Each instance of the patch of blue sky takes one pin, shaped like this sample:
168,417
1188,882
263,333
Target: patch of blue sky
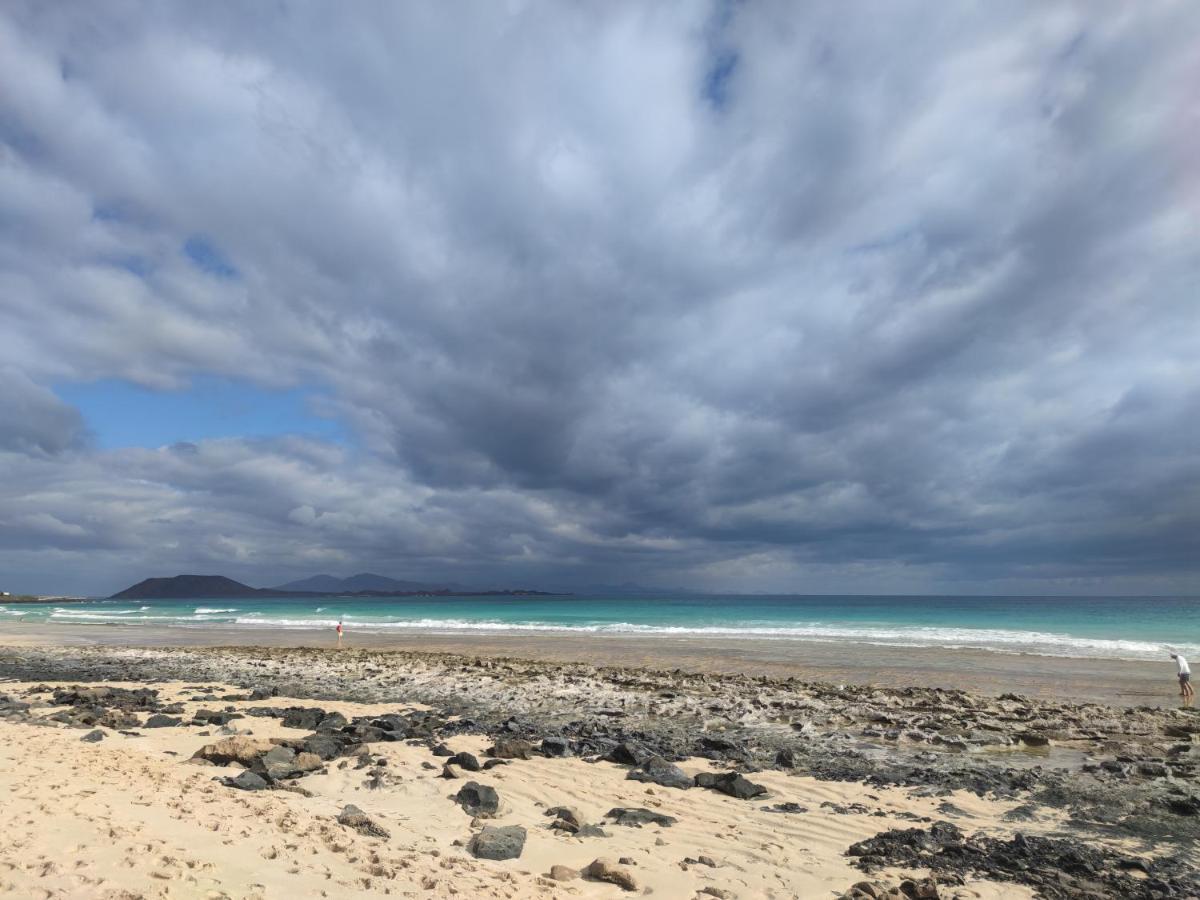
205,255
716,79
121,414
723,59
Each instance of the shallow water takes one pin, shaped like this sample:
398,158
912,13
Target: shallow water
1083,627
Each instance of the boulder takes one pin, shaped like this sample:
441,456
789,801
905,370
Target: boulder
657,770
478,799
326,746
353,817
627,754
119,720
465,761
335,721
93,737
158,720
307,762
277,763
510,748
246,781
731,783
498,843
555,746
606,870
563,873
305,717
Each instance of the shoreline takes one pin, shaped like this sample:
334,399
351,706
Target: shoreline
1110,681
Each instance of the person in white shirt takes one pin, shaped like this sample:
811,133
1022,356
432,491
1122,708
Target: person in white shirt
1186,691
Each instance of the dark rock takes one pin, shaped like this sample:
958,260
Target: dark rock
93,736
789,807
1055,868
786,758
638,817
478,799
158,720
657,770
498,843
567,818
555,746
442,750
492,763
510,748
627,754
213,717
731,783
466,761
303,717
276,764
246,781
326,746
335,721
353,817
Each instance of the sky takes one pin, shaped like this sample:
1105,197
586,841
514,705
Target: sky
815,298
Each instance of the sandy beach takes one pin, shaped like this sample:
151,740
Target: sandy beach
129,814
107,797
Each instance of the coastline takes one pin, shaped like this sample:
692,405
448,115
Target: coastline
1110,681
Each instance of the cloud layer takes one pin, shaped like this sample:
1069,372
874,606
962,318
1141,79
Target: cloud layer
731,296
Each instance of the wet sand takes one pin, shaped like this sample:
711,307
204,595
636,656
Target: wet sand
1116,682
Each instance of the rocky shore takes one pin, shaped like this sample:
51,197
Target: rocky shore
945,793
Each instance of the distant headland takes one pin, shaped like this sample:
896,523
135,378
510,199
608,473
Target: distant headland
197,587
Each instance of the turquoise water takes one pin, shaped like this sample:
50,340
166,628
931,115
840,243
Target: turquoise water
1117,627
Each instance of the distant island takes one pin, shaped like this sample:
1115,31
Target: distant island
6,597
200,587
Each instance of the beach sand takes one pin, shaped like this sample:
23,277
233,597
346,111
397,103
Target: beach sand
131,817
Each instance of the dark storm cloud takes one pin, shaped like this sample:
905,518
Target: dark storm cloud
740,295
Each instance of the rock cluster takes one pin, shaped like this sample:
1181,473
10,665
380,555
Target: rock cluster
1055,868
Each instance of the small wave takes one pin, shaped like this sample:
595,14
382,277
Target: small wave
63,613
209,610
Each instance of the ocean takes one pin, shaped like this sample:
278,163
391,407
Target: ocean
1098,627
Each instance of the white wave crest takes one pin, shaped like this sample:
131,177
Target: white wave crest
209,610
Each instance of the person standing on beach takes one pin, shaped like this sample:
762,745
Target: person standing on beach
339,632
1186,691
